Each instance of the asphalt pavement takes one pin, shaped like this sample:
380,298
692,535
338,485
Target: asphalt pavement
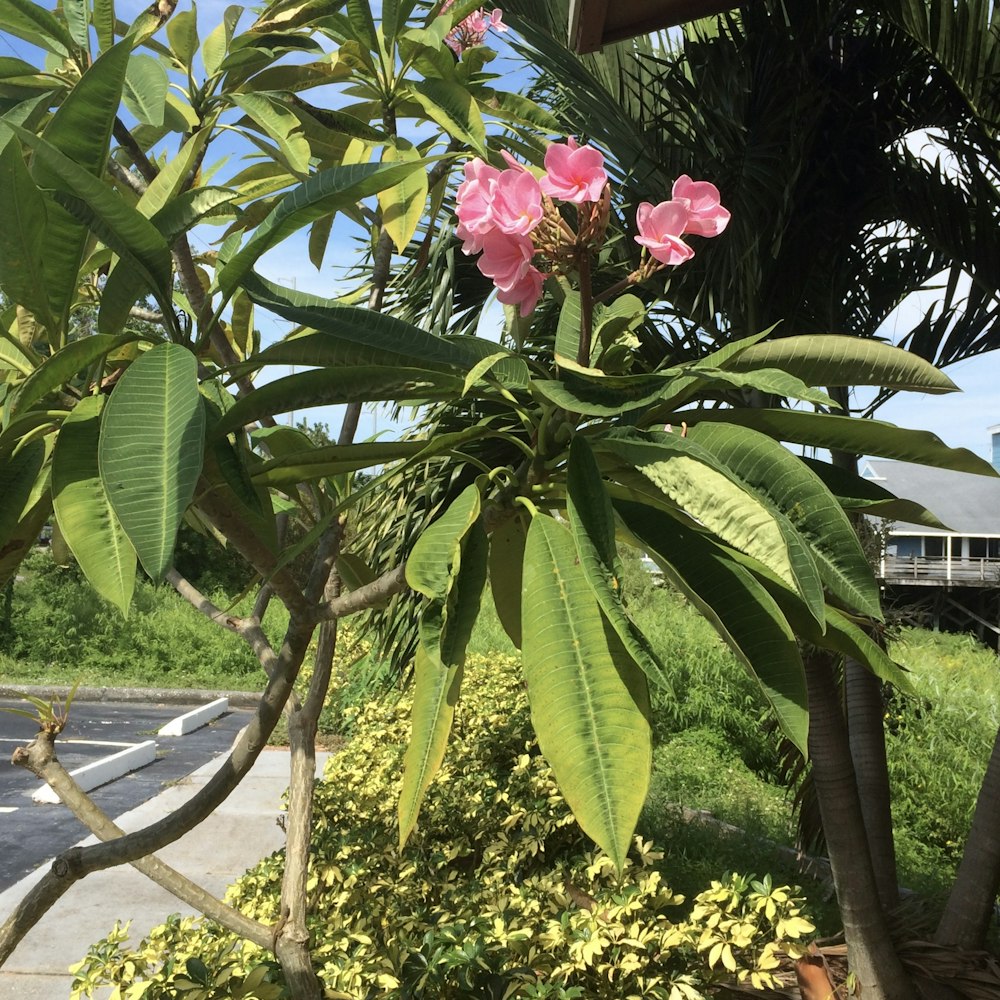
31,834
237,835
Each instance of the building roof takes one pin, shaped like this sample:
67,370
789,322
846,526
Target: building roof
594,23
968,504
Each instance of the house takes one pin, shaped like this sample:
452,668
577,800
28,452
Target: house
966,550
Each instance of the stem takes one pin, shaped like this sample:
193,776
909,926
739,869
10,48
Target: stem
586,310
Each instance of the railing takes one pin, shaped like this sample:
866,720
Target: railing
942,568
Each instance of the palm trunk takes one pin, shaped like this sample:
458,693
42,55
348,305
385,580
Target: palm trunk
966,917
871,953
867,741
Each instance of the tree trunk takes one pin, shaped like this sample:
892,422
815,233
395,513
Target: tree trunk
867,741
871,953
967,916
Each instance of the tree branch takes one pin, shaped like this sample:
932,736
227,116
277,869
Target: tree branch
39,757
142,162
365,597
132,181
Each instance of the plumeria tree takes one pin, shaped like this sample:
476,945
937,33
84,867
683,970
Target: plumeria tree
544,452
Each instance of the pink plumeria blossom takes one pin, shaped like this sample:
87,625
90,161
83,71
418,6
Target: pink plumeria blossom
660,230
706,216
525,293
472,31
517,202
475,203
505,258
573,173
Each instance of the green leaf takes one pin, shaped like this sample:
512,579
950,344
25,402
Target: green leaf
437,551
80,129
403,204
313,463
35,24
328,386
506,566
826,359
324,193
77,15
692,479
215,46
182,33
63,366
12,356
349,336
587,696
281,125
856,493
145,91
783,480
740,609
86,518
104,23
862,437
112,219
22,207
592,521
568,328
170,180
452,107
445,629
152,442
18,478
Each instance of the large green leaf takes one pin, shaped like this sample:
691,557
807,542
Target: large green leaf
445,629
587,696
324,192
35,24
833,360
80,129
699,485
145,91
22,207
592,521
348,384
863,437
345,335
506,567
782,479
119,226
855,493
403,204
314,463
18,477
59,369
87,521
452,107
432,561
741,610
152,442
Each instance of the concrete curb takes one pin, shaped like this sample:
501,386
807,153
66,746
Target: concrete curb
195,719
164,696
100,772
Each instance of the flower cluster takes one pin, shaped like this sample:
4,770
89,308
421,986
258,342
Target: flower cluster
472,30
510,217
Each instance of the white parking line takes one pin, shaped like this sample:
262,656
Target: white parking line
8,809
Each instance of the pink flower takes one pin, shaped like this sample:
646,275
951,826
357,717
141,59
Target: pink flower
660,230
525,293
573,173
472,30
506,258
517,202
474,203
706,216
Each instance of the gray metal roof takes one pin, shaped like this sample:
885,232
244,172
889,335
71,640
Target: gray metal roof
968,504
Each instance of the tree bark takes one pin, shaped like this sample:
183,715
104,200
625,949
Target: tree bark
867,741
871,953
967,915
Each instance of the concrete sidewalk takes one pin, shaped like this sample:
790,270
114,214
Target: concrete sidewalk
240,833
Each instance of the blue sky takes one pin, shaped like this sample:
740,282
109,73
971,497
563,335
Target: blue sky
960,419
